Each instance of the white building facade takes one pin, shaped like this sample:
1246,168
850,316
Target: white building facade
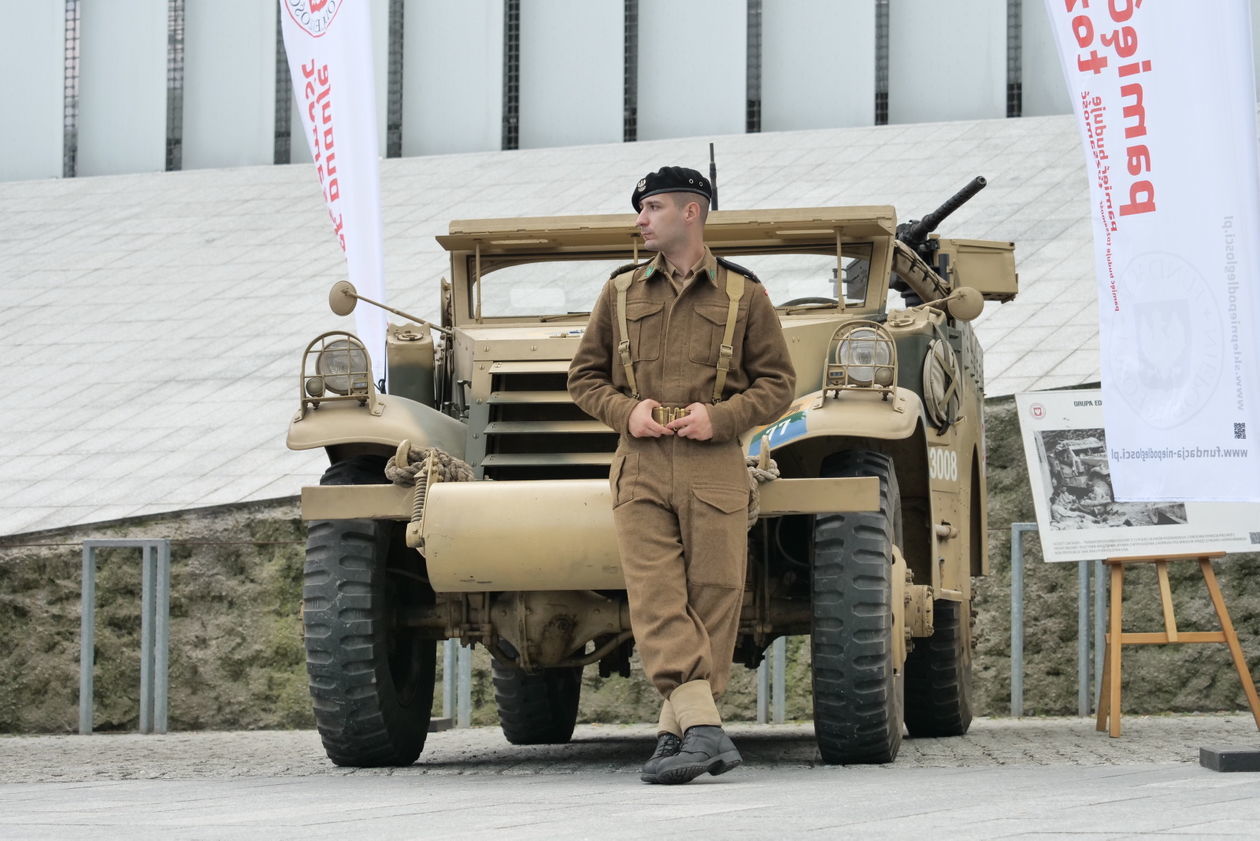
125,86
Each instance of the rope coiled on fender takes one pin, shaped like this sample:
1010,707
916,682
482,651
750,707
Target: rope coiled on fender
405,467
758,475
447,468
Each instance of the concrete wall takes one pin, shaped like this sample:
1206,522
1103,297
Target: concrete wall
452,76
32,45
572,72
229,83
946,61
122,87
1044,88
817,64
693,79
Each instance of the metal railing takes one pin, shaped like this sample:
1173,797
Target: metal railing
155,597
1085,570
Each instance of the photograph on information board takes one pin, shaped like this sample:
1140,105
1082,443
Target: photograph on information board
1078,515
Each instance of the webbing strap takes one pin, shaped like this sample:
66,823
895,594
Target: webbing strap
622,283
734,291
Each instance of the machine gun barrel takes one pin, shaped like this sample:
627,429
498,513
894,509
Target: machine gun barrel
915,233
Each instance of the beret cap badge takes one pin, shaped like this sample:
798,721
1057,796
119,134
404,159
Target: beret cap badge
670,179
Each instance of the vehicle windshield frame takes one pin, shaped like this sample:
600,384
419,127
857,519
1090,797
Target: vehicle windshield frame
468,266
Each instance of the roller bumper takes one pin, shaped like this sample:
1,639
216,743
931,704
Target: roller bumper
541,535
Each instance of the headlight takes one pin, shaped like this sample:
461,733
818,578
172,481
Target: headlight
343,365
862,355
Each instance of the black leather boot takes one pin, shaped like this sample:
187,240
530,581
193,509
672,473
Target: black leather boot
705,749
667,745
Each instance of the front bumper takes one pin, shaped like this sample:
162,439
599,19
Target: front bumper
541,535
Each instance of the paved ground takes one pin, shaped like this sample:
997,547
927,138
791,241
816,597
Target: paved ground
1042,778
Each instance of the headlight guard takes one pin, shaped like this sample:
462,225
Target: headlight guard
336,367
861,355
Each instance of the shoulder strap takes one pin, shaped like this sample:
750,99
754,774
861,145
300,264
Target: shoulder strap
736,267
621,283
734,291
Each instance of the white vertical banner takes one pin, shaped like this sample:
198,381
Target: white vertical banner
1164,94
329,45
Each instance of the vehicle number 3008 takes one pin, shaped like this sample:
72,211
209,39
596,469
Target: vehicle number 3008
943,464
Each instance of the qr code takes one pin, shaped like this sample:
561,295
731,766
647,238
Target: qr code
1240,431
1255,537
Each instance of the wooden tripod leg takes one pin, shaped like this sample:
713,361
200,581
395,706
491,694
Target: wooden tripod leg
1103,695
1113,648
1231,638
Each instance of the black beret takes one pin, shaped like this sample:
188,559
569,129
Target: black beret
671,179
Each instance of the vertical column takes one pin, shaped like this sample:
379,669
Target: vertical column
778,687
450,655
394,80
753,68
571,89
465,686
87,638
161,636
122,86
948,61
148,586
630,72
818,64
452,77
229,76
763,689
692,75
1042,86
32,50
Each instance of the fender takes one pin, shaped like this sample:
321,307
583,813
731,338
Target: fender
858,414
398,418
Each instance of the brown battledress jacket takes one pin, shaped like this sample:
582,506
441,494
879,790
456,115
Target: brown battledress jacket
680,506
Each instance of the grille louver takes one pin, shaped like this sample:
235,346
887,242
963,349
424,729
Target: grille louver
532,430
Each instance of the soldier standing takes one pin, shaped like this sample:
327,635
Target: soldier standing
681,355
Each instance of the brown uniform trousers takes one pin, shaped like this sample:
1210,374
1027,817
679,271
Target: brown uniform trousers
679,505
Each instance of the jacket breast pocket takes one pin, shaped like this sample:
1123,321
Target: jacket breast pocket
645,320
708,326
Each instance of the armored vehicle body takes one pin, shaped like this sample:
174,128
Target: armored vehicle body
494,522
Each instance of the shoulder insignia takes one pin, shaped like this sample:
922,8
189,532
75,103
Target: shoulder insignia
738,269
628,267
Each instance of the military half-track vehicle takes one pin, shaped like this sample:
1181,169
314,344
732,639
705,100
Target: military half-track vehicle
496,527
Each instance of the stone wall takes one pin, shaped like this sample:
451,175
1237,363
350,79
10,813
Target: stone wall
236,652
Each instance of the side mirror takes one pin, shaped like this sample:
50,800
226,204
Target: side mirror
964,303
342,298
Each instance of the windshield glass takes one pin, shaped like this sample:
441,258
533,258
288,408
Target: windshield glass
571,286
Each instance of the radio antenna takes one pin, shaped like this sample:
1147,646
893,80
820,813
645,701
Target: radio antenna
713,178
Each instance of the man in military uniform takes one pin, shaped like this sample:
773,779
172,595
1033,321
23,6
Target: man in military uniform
681,355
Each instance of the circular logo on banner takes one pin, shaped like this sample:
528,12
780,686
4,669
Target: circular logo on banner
314,16
1168,342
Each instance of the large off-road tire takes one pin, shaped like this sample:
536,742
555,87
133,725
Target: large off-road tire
371,681
858,688
938,675
539,708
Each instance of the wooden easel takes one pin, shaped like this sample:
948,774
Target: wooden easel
1109,691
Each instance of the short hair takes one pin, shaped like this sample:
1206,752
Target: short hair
682,199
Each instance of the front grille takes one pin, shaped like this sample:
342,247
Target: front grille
534,431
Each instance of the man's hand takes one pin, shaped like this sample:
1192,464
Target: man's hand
641,423
697,426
